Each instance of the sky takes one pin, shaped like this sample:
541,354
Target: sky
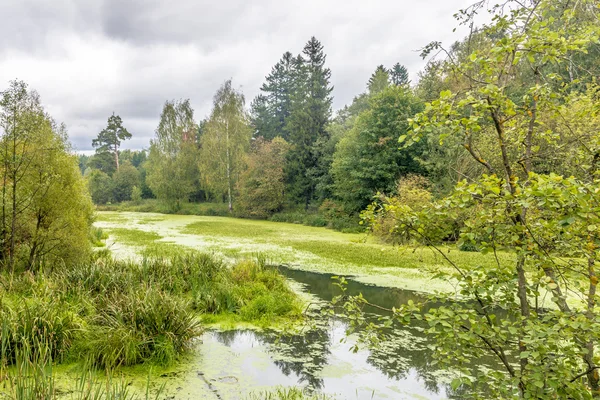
90,58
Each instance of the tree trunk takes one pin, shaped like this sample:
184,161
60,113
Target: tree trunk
117,157
228,155
14,203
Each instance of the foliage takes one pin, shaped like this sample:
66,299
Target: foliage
382,215
172,170
261,185
101,187
271,110
109,140
309,115
508,112
399,75
367,160
136,195
46,211
224,142
125,180
379,81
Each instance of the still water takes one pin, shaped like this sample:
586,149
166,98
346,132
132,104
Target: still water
232,364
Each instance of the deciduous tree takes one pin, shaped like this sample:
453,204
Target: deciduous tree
224,142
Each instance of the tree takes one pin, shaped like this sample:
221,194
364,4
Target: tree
172,170
262,184
125,179
21,119
110,138
510,111
224,142
367,159
261,118
101,187
379,80
399,75
310,113
271,110
39,179
61,213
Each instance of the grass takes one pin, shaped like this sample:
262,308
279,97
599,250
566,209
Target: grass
109,313
292,393
96,236
33,378
303,247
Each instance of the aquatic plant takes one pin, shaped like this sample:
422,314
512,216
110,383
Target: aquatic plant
142,325
291,393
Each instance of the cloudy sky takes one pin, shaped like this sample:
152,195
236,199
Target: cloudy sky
88,58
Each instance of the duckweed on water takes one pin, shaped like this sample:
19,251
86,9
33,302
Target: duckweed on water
302,247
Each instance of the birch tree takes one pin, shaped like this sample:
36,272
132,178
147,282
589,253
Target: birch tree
224,142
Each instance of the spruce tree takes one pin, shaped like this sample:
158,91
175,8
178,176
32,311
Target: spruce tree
271,109
399,75
306,126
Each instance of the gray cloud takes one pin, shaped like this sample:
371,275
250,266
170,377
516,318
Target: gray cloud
90,58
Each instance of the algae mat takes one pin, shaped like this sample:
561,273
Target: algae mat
297,246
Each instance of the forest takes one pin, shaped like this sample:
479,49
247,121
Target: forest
481,178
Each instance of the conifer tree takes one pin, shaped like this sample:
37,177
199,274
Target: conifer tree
110,138
271,109
379,80
310,113
399,75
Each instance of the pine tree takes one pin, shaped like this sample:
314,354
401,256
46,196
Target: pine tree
306,127
109,139
399,75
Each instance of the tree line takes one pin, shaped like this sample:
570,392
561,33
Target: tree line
285,152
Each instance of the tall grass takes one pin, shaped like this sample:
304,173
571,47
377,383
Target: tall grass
292,393
96,236
107,313
145,325
33,378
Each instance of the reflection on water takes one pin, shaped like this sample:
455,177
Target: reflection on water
321,359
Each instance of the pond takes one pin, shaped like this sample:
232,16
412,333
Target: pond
231,364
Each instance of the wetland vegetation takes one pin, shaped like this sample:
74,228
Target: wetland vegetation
461,259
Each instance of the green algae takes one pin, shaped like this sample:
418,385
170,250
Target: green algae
298,246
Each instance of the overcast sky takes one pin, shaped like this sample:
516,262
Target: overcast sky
88,58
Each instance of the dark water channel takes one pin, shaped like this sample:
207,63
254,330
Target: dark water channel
319,359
